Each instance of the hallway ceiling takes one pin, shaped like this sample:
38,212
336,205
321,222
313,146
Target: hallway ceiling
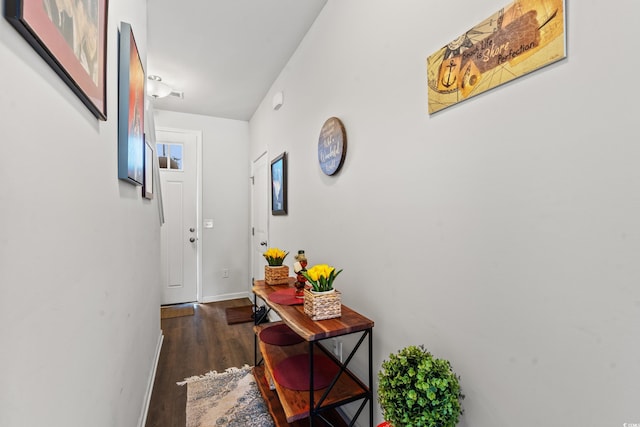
223,54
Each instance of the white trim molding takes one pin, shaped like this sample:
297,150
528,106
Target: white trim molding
147,400
225,297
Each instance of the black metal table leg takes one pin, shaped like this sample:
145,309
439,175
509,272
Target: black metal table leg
312,409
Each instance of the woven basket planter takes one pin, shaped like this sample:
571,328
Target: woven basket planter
321,306
276,275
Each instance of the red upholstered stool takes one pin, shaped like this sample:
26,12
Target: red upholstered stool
280,335
293,372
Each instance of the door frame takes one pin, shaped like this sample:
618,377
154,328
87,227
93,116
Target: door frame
264,154
198,135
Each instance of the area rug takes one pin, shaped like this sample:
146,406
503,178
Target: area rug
230,399
180,310
239,314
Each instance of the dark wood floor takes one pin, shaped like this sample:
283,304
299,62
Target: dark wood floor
194,345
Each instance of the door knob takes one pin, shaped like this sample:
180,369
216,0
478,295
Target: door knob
263,243
192,229
193,239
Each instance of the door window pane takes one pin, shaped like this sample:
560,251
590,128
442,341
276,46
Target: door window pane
170,156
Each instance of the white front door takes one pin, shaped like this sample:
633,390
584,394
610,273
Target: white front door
259,214
178,157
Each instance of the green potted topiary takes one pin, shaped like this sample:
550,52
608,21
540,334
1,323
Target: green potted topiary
418,390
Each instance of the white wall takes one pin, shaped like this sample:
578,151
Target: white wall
79,250
225,199
502,233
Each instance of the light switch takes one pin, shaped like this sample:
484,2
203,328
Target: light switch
208,223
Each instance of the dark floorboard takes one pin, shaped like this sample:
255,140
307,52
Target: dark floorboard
194,345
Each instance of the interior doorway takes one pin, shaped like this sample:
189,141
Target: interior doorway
259,213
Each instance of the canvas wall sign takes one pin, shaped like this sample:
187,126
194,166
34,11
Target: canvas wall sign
521,37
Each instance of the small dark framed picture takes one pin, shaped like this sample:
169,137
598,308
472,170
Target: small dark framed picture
149,166
130,109
279,185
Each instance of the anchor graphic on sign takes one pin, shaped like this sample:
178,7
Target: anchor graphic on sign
449,82
448,74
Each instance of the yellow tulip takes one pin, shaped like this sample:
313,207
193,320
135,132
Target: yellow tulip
275,256
321,276
313,274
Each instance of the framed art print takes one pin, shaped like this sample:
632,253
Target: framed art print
71,37
149,166
130,109
279,185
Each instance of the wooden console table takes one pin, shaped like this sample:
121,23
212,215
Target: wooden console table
345,387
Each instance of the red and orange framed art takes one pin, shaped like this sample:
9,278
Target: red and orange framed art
130,109
71,36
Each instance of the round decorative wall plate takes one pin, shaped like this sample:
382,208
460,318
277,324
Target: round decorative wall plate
332,146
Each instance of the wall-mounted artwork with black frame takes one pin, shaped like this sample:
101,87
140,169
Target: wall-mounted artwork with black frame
72,40
279,185
130,109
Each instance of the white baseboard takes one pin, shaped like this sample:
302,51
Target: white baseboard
273,316
225,297
152,377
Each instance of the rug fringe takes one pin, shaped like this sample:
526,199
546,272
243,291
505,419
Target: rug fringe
212,374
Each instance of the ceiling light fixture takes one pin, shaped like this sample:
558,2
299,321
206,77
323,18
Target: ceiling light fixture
156,88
